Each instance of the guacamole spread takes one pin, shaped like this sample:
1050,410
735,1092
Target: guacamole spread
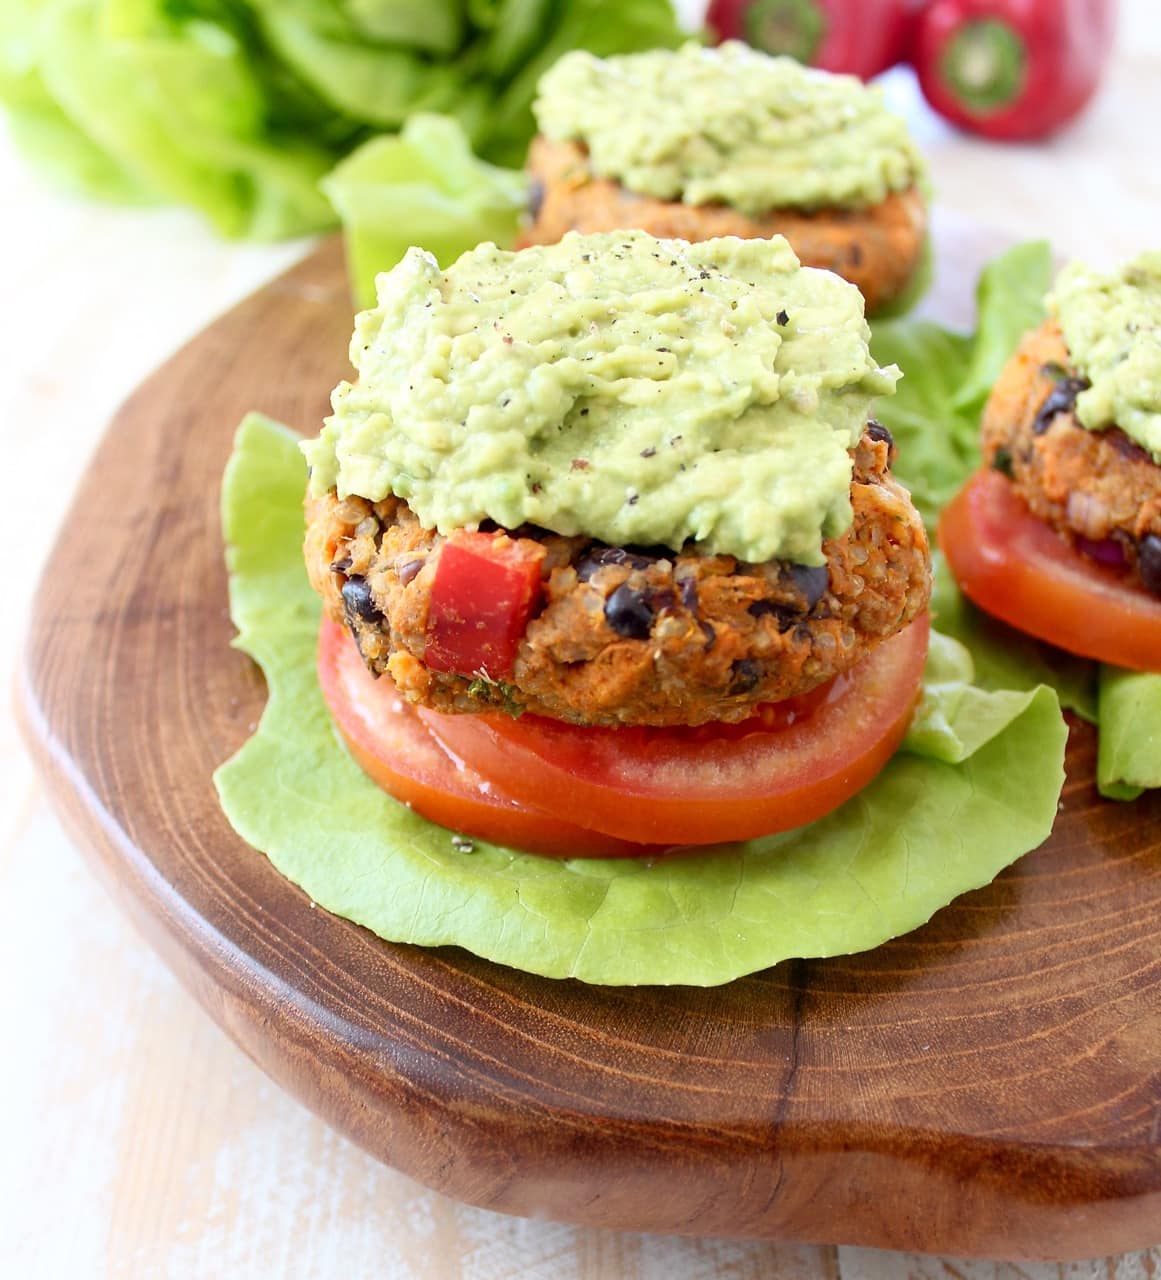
729,126
1112,324
633,390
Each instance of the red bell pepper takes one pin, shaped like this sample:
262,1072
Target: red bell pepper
485,588
1012,69
857,37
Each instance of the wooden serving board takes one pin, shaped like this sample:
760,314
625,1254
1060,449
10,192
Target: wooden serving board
989,1085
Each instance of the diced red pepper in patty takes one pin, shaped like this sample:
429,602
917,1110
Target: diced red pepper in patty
485,590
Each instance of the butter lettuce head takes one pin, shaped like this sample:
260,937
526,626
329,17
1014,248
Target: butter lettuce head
975,788
237,108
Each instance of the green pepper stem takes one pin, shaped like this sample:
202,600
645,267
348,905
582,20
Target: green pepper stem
793,27
985,64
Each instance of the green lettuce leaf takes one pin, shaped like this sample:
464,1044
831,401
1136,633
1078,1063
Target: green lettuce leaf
934,413
69,159
955,717
100,91
67,156
420,187
437,28
178,112
378,85
922,833
937,446
1009,302
512,26
1129,752
1005,658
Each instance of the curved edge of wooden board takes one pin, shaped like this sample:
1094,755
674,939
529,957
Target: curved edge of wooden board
432,1118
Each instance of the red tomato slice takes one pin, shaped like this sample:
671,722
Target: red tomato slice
708,785
481,599
391,745
1017,568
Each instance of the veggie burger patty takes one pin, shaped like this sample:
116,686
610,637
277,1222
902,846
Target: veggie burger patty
636,635
876,248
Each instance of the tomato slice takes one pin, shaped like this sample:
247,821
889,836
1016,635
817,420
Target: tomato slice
707,785
392,746
483,594
1017,568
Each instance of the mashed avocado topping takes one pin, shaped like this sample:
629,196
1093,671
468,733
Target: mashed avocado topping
634,390
729,126
1112,324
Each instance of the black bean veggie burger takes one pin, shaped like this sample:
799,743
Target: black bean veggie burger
610,520
1060,534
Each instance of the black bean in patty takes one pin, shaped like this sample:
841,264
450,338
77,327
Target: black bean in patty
785,614
629,613
1002,461
535,198
357,600
408,570
812,580
1127,447
1061,399
745,674
601,556
1149,564
687,585
876,431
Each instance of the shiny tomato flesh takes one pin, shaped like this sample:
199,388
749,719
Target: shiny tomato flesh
712,784
1017,568
483,594
392,746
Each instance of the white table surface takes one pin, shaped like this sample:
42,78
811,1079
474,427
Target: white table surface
136,1139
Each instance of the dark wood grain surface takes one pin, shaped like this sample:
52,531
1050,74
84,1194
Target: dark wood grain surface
989,1085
